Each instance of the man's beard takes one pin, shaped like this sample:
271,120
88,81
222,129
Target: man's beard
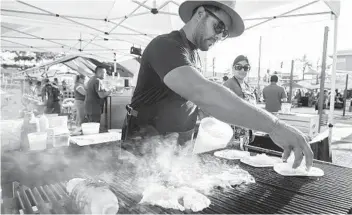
201,41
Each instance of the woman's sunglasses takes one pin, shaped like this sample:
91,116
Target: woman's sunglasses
244,67
220,27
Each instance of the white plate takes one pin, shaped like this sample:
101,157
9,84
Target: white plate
286,169
231,154
256,162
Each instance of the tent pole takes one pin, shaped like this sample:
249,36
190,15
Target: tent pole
287,16
333,79
345,97
322,78
291,81
114,66
260,56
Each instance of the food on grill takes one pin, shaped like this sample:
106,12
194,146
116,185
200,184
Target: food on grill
92,197
261,160
287,170
224,179
170,197
231,154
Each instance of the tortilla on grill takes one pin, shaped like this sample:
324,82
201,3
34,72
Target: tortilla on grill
168,197
231,154
261,160
286,169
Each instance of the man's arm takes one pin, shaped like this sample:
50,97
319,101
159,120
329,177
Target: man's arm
104,94
81,90
217,100
99,88
225,105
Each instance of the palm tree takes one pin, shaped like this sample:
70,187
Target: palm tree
305,64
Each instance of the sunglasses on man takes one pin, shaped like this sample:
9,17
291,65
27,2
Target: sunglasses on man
220,27
246,68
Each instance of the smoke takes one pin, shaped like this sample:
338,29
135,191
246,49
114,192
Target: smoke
35,168
160,160
172,165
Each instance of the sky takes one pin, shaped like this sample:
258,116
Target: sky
284,41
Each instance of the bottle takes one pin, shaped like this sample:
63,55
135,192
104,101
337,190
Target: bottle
34,123
92,197
43,123
30,125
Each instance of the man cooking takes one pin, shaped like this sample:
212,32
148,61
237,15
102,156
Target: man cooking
170,87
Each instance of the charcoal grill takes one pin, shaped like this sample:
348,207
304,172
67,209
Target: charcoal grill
272,193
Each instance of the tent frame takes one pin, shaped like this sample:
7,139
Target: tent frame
154,10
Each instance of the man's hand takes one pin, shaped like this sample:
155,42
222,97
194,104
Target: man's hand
291,139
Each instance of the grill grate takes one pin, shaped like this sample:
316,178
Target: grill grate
271,193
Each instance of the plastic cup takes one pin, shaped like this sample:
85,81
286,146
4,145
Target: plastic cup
286,108
37,140
212,134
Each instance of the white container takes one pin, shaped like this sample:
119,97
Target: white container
57,121
117,131
286,108
90,128
37,140
43,123
59,136
212,134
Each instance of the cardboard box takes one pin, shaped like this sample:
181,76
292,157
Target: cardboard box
307,123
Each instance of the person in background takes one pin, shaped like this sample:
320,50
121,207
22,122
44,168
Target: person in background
37,89
298,95
325,101
51,96
274,95
95,95
80,94
64,85
237,84
225,78
29,87
56,82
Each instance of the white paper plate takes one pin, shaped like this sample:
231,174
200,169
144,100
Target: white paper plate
286,169
256,162
231,154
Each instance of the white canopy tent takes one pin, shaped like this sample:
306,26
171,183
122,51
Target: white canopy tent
106,29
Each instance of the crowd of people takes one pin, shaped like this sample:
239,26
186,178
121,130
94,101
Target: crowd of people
89,95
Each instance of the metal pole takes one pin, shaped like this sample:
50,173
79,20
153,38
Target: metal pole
259,59
333,79
114,66
213,66
291,80
322,80
288,12
345,96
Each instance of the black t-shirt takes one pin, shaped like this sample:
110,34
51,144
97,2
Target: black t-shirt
158,105
93,104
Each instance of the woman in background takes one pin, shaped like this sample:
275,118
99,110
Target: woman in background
80,94
240,70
